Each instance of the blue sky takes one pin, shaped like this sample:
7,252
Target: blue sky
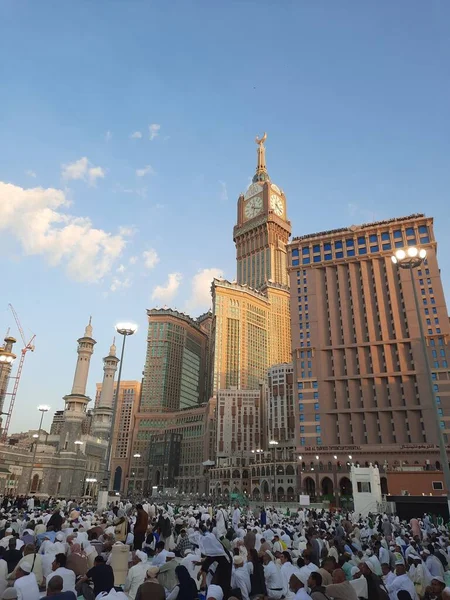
354,97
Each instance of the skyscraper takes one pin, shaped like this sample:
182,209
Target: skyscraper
251,327
359,370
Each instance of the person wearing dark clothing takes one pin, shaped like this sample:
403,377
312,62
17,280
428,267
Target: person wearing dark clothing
101,575
56,521
222,575
140,527
187,588
257,579
12,556
263,517
315,550
316,589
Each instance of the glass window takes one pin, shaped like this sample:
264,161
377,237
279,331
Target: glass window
305,250
435,387
436,364
374,248
295,252
430,290
309,373
428,321
316,406
362,250
316,395
399,244
300,385
373,238
315,385
434,377
317,417
438,330
430,331
411,241
306,260
300,396
387,246
318,441
433,300
302,441
434,353
385,236
302,417
436,321
440,341
427,311
309,364
425,301
438,399
423,229
440,412
420,281
316,248
300,407
442,425
432,343
328,256
397,234
327,247
339,255
442,352
295,262
317,258
350,253
425,239
338,245
349,243
302,427
317,428
361,241
422,291
409,231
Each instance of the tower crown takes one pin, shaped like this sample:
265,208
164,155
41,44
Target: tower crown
88,330
261,174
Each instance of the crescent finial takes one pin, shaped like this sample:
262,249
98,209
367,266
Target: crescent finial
262,140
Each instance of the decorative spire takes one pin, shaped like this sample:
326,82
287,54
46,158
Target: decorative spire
261,171
88,330
112,350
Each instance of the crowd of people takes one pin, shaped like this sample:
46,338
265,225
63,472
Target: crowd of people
63,550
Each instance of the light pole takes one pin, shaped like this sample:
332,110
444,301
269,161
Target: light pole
43,408
137,455
274,444
411,259
124,329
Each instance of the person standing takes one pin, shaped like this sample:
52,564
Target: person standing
140,527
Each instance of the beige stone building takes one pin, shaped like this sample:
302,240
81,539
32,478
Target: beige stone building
359,371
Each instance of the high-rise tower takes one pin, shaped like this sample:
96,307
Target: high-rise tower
77,401
103,411
6,361
251,327
262,230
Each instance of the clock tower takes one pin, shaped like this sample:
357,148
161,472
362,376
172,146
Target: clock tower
262,230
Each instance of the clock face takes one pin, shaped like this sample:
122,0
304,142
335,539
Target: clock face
253,207
276,204
255,188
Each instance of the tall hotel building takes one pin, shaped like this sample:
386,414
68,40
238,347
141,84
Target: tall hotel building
359,371
251,326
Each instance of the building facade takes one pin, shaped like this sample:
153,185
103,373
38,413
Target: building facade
251,326
359,371
280,404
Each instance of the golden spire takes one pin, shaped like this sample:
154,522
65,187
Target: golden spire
261,171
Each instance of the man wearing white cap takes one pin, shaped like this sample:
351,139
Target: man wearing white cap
26,584
136,574
298,583
214,592
240,578
401,582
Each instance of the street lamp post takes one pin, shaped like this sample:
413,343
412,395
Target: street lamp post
274,444
137,455
411,259
43,408
124,329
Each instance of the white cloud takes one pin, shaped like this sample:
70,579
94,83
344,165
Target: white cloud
133,260
154,130
36,218
119,284
136,135
148,170
151,258
201,288
31,173
108,136
127,230
82,169
223,191
120,269
166,292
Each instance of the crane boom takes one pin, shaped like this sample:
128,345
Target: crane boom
26,347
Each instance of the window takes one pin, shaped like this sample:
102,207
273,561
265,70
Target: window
435,387
386,246
430,290
427,311
316,406
300,385
295,262
339,255
399,244
315,385
295,252
374,249
385,236
373,238
441,341
428,321
438,399
317,258
302,441
397,234
328,256
436,321
433,300
425,239
425,301
350,253
300,407
319,441
302,429
316,417
305,251
410,231
327,247
349,243
442,352
436,364
440,412
306,260
438,330
444,364
338,245
302,417
300,396
434,353
423,229
316,395
364,487
362,250
438,485
318,429
316,248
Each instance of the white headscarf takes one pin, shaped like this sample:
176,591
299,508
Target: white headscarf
210,546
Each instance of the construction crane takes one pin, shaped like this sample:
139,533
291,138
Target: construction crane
26,346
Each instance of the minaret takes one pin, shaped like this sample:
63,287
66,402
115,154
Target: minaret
101,426
77,401
7,357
